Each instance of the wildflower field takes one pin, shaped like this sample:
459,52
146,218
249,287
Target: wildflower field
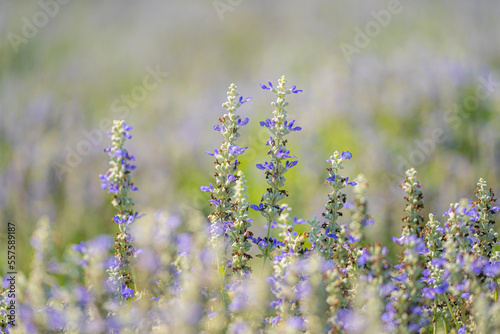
160,174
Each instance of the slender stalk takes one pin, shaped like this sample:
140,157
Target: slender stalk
266,253
496,291
278,127
444,324
451,312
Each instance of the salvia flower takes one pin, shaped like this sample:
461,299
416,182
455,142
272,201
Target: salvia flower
118,181
175,275
227,208
278,127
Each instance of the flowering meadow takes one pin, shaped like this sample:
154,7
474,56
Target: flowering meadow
161,273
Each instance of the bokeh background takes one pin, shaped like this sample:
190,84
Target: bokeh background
67,67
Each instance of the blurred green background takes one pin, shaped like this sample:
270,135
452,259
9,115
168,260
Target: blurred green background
68,67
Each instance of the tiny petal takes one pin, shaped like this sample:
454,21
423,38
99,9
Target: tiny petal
212,154
255,207
206,189
118,153
346,155
242,101
243,122
331,235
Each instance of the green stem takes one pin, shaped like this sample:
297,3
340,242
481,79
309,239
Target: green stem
434,324
263,263
444,324
451,312
272,204
496,291
266,253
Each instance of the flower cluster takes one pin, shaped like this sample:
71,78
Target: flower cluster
117,180
279,127
326,276
360,217
229,219
324,236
